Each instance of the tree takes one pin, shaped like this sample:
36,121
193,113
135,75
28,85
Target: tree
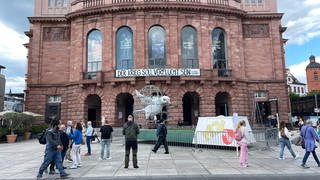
294,96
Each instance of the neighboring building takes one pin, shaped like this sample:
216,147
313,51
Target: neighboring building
2,88
294,85
14,102
313,71
215,57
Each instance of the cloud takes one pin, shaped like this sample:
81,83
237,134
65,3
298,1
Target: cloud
11,44
299,71
302,19
16,84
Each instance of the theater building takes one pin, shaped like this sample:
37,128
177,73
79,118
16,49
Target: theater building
211,57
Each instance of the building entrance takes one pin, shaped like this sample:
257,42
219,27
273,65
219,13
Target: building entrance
222,104
124,106
190,108
93,109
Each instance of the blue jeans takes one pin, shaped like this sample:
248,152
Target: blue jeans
88,141
105,143
285,142
51,155
306,155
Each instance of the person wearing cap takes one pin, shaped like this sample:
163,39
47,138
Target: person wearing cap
310,136
162,137
131,131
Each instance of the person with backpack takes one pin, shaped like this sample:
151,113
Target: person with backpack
106,138
89,135
284,140
52,151
130,131
242,140
162,137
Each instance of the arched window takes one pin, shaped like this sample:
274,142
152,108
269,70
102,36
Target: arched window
94,53
157,47
315,74
58,3
124,48
219,52
189,47
50,2
64,3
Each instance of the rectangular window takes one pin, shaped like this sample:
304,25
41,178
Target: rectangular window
261,94
64,3
295,89
50,3
58,3
54,99
316,77
302,91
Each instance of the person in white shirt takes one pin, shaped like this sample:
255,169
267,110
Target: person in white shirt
284,140
89,134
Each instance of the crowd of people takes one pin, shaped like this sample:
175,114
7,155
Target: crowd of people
64,143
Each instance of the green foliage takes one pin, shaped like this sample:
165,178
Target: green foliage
36,129
13,121
20,131
4,131
18,122
294,96
313,92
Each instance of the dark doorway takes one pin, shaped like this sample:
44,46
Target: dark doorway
190,108
222,105
93,109
124,106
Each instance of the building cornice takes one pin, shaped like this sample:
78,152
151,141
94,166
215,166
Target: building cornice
155,6
47,19
263,16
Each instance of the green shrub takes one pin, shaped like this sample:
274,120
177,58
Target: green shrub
4,131
20,131
36,129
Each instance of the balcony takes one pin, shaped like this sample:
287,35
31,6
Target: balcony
96,3
92,78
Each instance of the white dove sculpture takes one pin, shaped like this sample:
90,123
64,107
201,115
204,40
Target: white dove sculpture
153,104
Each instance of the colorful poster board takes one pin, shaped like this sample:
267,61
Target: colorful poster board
220,130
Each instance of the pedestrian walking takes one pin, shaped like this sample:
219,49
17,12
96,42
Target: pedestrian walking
68,132
284,140
52,151
310,137
162,137
77,141
131,131
89,135
106,139
243,143
65,143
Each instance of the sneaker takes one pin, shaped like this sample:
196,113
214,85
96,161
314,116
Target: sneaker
281,158
136,166
39,177
126,167
304,166
64,176
297,156
100,158
79,165
166,152
73,167
109,158
87,154
68,160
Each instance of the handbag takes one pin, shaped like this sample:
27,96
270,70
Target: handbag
283,134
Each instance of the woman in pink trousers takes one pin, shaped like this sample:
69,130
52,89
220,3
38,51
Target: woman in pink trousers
243,143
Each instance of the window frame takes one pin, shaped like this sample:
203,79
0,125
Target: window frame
130,62
186,60
97,63
157,62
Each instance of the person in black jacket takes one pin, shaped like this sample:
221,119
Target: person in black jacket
162,137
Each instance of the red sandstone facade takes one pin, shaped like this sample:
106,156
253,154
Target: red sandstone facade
57,59
313,72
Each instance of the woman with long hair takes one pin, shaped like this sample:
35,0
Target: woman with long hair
77,141
284,140
243,143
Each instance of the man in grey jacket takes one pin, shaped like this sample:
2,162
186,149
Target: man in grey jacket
53,150
131,131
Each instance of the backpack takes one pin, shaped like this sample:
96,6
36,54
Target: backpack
237,135
42,137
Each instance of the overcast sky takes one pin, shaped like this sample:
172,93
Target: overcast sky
302,17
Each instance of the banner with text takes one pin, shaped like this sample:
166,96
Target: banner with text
157,72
